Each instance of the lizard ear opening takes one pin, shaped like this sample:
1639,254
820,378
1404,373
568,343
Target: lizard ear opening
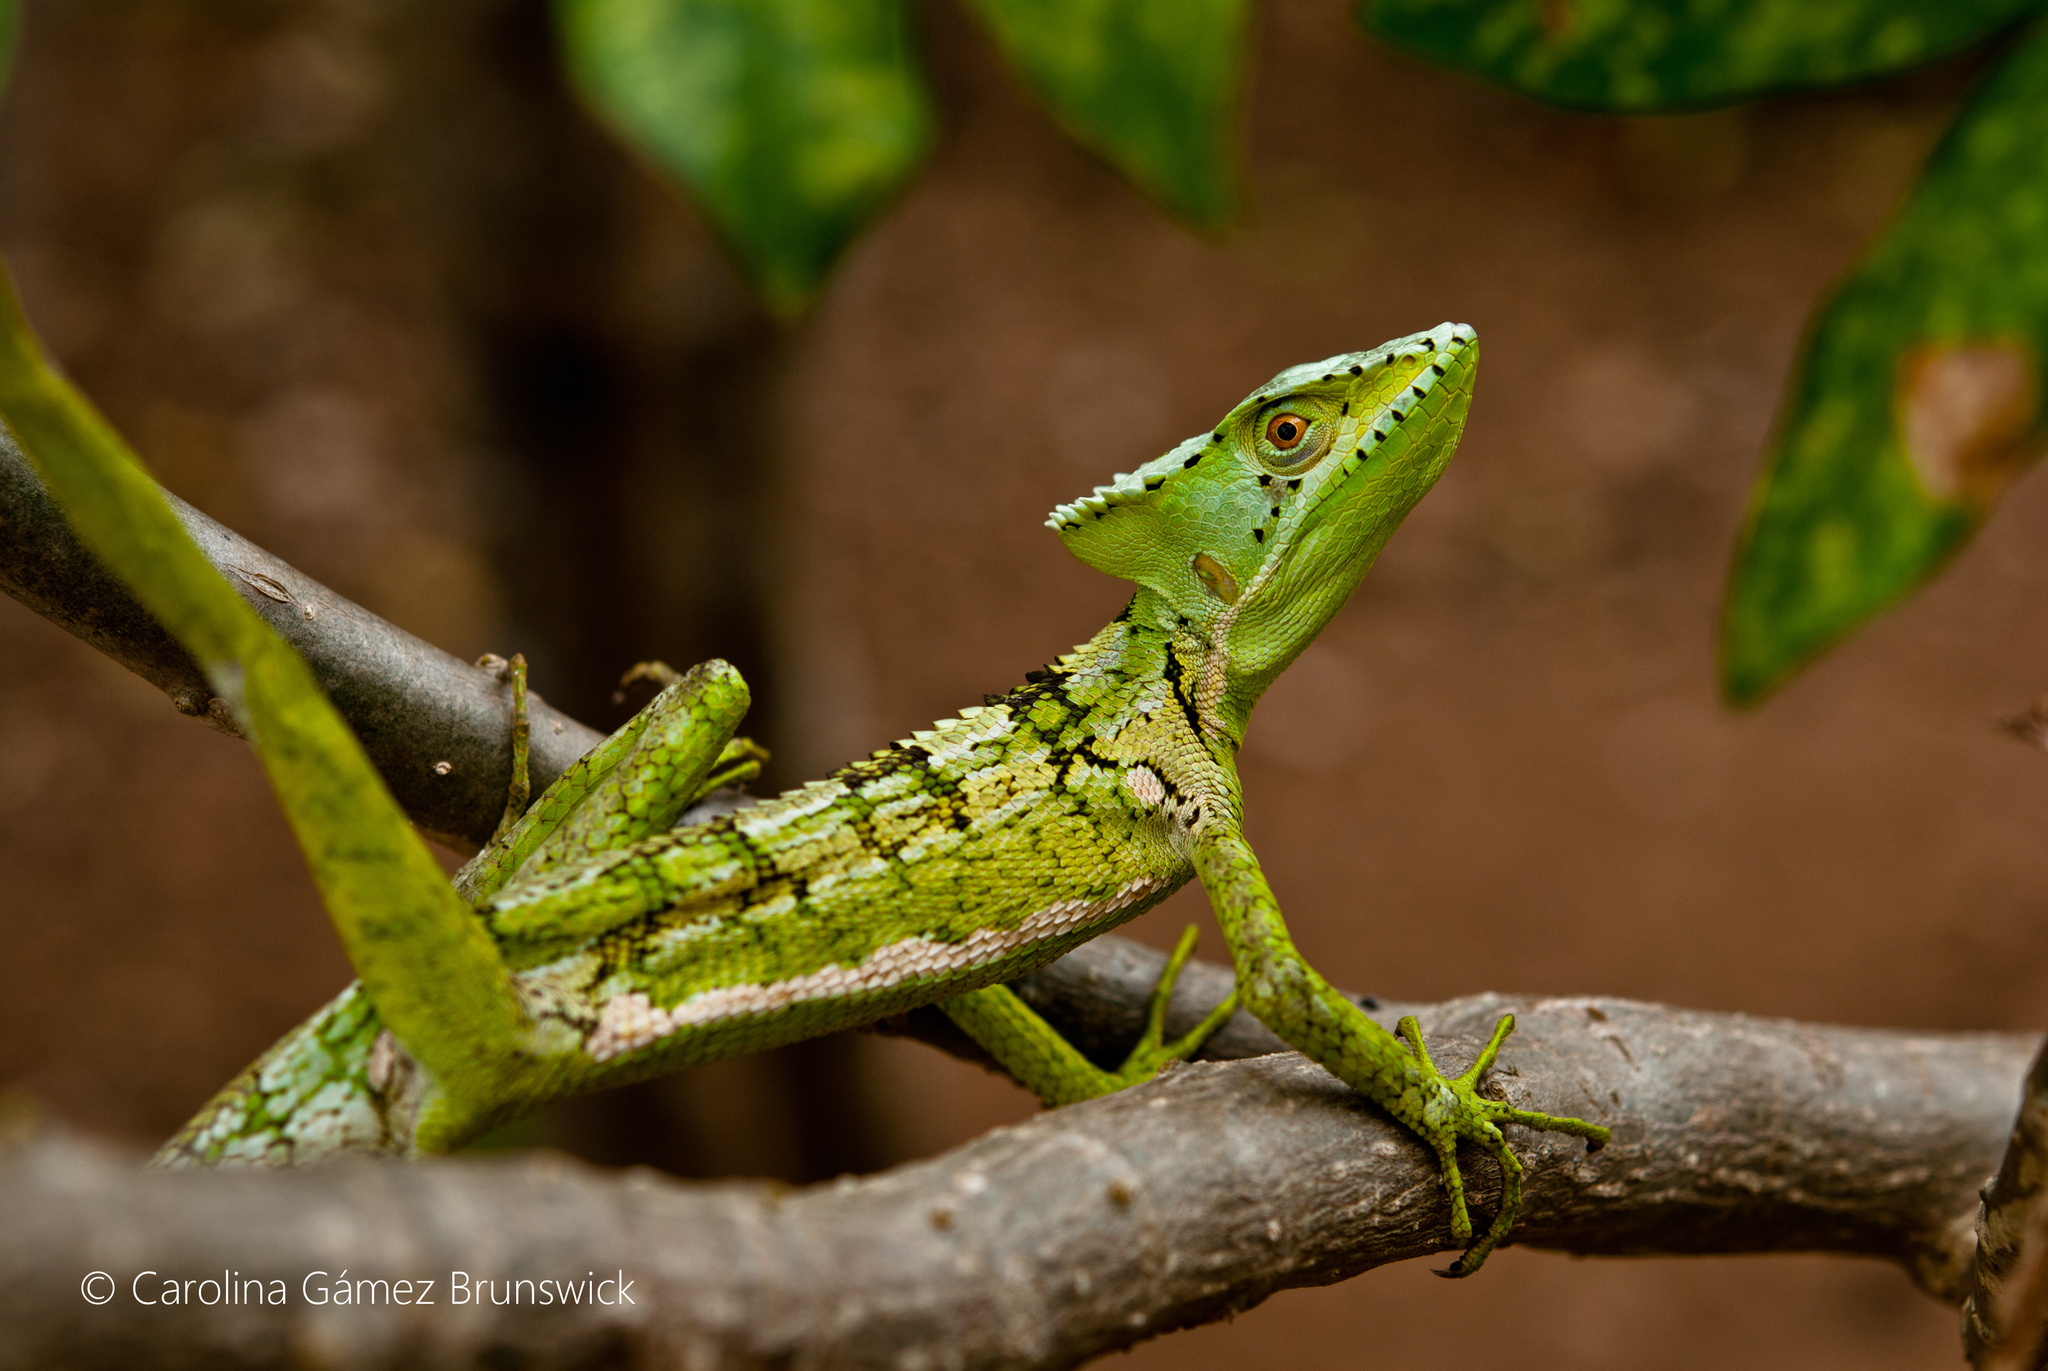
1215,577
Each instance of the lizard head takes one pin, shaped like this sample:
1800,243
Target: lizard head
1256,534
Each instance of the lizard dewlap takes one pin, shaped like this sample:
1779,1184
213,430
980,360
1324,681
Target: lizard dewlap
964,855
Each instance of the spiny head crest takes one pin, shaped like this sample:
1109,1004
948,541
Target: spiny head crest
1263,527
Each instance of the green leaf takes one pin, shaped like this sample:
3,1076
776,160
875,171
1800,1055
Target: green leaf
792,122
1918,396
1151,86
1646,55
427,963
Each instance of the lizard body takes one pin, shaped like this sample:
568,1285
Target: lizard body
963,856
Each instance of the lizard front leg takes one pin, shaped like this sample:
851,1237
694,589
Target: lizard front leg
1047,1065
1286,994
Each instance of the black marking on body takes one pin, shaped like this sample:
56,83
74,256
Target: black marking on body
1083,753
1178,685
1042,710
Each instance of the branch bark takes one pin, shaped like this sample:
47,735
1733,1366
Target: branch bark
1083,1230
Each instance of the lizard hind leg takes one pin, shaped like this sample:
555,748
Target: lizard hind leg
1050,1067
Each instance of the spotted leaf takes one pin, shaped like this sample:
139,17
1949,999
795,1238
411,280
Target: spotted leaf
1917,399
1645,55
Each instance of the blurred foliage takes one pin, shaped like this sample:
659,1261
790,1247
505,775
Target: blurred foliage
386,893
1919,393
1918,397
792,122
1150,85
1640,56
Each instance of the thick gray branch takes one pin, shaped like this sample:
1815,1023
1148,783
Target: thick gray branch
1080,1231
439,729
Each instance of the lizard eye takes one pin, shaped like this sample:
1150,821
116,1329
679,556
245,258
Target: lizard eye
1284,431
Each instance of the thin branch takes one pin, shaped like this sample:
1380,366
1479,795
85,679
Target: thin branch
1080,1231
438,729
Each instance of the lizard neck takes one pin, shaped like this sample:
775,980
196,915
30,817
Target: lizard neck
1194,659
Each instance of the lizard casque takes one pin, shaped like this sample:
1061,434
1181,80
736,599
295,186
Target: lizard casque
961,857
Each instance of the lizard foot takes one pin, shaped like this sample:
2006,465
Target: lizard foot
519,794
1457,1110
1151,1053
661,673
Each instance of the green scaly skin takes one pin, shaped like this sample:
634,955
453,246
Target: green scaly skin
963,856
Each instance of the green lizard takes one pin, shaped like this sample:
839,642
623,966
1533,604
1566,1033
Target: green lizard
962,857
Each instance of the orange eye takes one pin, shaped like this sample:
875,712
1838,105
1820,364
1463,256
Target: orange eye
1285,431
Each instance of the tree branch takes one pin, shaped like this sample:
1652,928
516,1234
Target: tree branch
438,729
1077,1232
2007,1309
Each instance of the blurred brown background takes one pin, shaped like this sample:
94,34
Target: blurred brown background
361,280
